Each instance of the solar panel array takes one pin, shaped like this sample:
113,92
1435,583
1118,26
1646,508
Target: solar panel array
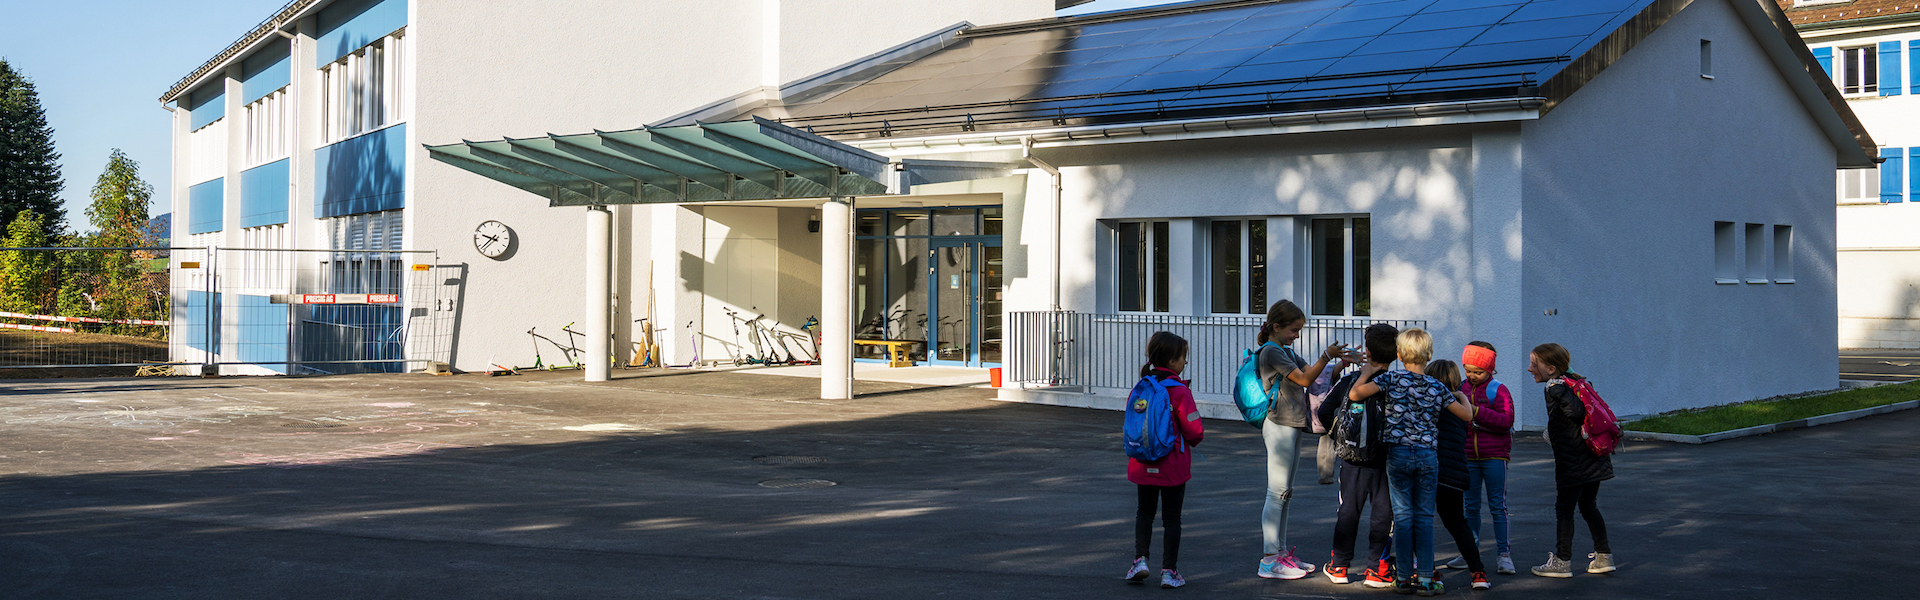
1266,55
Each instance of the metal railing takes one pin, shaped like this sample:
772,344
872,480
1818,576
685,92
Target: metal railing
1084,351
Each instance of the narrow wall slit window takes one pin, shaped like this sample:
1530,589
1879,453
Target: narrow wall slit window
1706,59
1783,254
1756,271
1340,255
1142,261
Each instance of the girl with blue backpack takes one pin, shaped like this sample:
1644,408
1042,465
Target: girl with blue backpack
1160,467
1287,376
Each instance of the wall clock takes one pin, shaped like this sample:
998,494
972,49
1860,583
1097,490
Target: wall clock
492,239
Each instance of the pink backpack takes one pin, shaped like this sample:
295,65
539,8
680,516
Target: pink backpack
1601,429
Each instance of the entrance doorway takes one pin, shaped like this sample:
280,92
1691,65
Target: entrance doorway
932,277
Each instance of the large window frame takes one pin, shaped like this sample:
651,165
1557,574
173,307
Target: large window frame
1339,265
1857,70
1238,265
269,128
1858,186
365,90
1143,277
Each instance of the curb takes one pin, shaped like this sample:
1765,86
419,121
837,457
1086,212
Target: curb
1771,428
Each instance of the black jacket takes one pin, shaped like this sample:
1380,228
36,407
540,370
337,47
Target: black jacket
1453,450
1337,398
1573,462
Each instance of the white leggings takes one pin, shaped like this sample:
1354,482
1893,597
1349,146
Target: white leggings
1283,452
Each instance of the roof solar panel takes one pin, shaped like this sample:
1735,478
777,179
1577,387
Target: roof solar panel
1117,68
1544,29
1279,21
1274,71
1548,9
1181,32
1392,8
1396,61
1311,50
1209,60
1152,49
1301,5
1483,53
1345,29
1236,41
1421,40
1175,79
1428,21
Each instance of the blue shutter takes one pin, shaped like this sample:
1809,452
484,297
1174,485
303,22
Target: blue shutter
1890,69
1825,57
1913,178
1890,175
1913,66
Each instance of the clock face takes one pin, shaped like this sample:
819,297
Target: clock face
492,239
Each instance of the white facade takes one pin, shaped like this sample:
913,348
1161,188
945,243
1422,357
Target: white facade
1879,254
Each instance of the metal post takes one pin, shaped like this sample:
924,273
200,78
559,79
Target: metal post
599,295
836,299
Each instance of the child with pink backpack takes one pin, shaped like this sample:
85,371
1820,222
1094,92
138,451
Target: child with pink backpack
1581,459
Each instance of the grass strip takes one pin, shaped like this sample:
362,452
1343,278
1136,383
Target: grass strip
1715,419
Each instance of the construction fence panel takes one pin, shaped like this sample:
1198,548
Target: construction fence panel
107,308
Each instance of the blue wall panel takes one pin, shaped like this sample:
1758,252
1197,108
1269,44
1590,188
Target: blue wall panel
263,194
207,105
193,319
261,331
206,206
348,25
362,174
266,71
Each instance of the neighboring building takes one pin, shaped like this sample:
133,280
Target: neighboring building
1508,170
1872,49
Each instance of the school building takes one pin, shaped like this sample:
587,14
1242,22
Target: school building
1646,182
1871,48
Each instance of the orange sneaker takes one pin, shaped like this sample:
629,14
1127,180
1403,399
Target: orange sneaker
1480,581
1337,574
1381,577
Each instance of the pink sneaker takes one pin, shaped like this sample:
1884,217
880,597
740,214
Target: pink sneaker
1284,566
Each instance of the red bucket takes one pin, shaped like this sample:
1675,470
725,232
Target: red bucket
993,376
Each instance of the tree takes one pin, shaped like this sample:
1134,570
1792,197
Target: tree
120,202
29,168
26,276
118,282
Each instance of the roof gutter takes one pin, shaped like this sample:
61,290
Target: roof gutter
1415,115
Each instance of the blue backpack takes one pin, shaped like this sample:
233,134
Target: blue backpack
1150,431
1254,399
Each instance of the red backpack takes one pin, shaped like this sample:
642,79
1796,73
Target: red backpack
1600,429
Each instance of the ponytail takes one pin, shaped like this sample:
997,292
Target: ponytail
1162,347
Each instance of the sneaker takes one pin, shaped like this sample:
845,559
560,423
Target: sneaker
1405,586
1505,566
1381,577
1337,574
1480,581
1602,562
1555,567
1170,579
1458,562
1284,566
1429,587
1138,573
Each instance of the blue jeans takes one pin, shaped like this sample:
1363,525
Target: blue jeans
1491,474
1413,472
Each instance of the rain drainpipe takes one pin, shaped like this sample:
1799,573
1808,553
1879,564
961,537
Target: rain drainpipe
1026,151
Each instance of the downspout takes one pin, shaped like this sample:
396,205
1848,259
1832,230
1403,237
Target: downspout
1026,151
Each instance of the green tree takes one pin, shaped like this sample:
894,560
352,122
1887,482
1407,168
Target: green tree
118,284
29,168
26,276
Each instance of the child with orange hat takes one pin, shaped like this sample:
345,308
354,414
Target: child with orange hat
1489,446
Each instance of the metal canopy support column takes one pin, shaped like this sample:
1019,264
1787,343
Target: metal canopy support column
836,299
598,357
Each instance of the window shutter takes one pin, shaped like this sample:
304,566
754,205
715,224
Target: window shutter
1890,70
1913,67
1913,177
1825,57
1890,175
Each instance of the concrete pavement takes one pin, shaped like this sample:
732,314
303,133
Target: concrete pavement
703,485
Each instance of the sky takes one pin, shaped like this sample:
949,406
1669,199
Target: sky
100,67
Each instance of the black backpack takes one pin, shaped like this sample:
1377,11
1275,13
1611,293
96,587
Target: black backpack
1354,426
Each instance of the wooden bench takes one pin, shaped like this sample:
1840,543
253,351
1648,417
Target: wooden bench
896,350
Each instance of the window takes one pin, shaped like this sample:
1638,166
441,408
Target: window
1783,254
1859,70
1724,269
1143,260
1341,266
364,272
1859,186
1238,262
1756,253
269,128
1706,59
363,90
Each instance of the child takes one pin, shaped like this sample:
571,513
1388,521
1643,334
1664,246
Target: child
1489,446
1363,483
1577,471
1282,368
1450,498
1163,482
1413,401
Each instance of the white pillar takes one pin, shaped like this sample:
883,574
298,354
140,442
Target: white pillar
1499,312
599,294
836,299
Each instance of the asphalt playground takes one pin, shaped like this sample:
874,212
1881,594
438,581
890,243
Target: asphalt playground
735,485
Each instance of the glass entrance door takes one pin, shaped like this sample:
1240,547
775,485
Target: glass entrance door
964,325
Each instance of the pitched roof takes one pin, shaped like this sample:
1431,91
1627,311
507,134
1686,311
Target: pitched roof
1820,14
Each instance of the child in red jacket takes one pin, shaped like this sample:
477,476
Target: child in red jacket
1163,483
